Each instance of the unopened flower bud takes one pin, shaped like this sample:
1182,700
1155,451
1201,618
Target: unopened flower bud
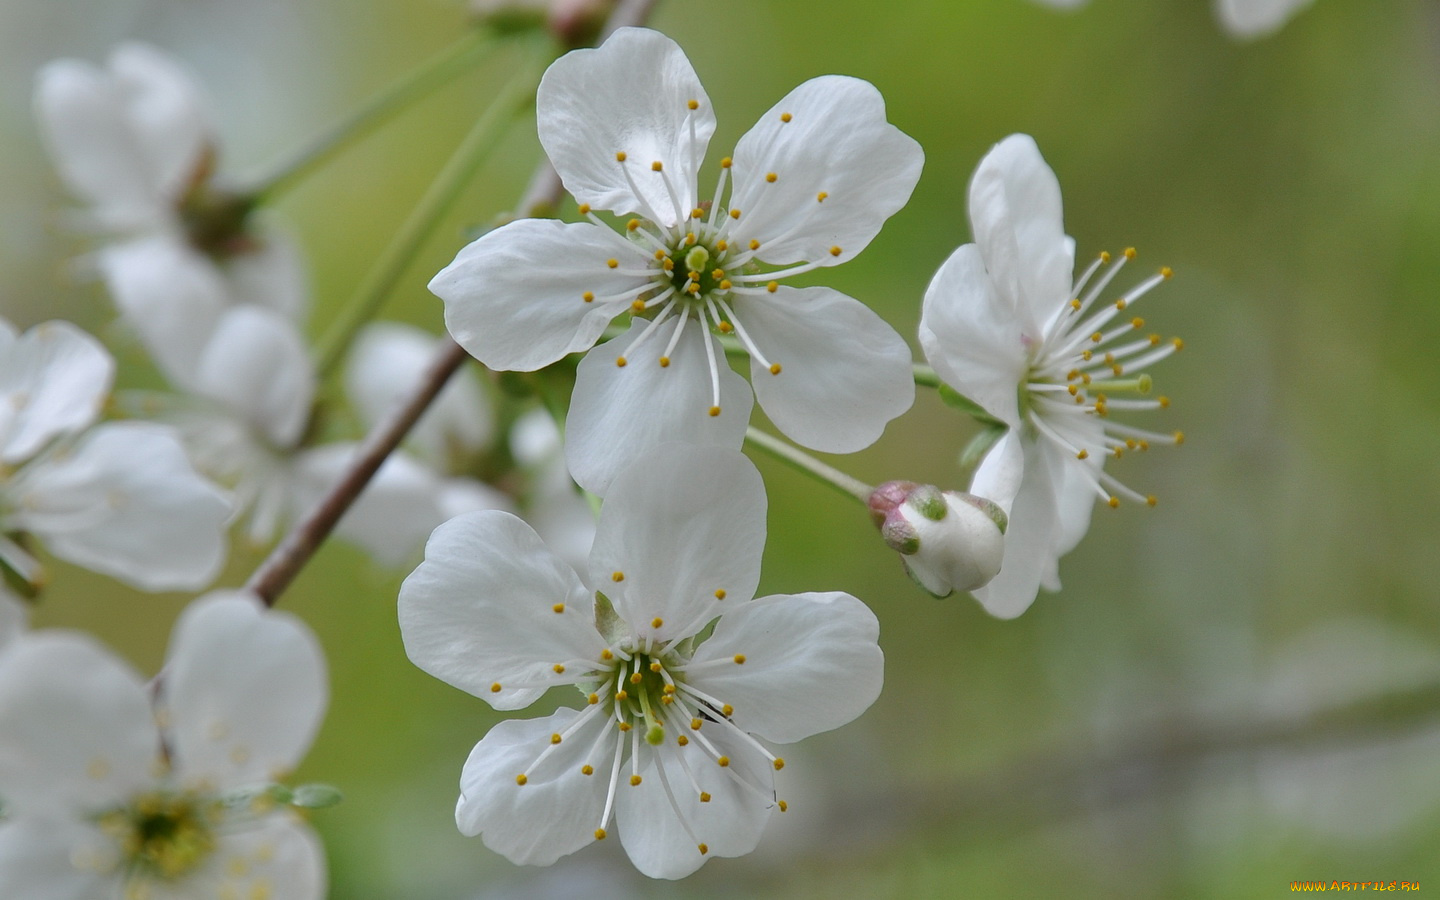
576,23
948,540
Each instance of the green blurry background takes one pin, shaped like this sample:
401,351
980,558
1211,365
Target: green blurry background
1236,689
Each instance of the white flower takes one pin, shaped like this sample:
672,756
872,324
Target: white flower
626,126
1241,18
948,541
1003,324
665,741
554,506
135,142
119,498
102,802
14,617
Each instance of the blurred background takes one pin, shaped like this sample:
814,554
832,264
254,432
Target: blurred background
1235,690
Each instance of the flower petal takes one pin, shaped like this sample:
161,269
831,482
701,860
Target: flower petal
270,271
42,859
1030,539
76,731
631,95
170,295
675,530
972,336
246,691
844,373
165,114
125,501
820,646
840,170
1000,473
556,811
619,414
278,857
53,380
14,617
662,837
257,364
1256,18
515,298
480,610
1015,214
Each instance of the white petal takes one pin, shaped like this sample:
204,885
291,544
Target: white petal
386,363
83,119
844,373
246,690
76,731
170,295
1030,539
820,646
515,298
1015,214
618,414
1000,473
271,272
165,114
257,364
677,528
14,617
1256,18
836,142
480,610
730,823
278,857
125,501
56,860
630,95
558,808
53,380
973,336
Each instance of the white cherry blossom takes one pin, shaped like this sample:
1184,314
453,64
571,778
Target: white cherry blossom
102,802
670,740
1244,19
121,497
626,126
1004,325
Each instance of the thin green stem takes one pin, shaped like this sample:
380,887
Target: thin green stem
476,147
433,74
799,459
925,376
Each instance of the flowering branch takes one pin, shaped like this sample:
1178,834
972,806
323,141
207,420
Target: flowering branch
799,459
273,575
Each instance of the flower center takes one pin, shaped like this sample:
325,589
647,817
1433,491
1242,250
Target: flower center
642,689
164,835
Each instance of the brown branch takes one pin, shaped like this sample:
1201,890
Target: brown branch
273,575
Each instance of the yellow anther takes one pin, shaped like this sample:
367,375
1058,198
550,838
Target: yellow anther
657,622
820,197
722,246
1096,337
1118,452
637,305
1121,303
623,726
1130,443
734,213
1083,454
587,769
754,244
714,411
668,265
1137,322
725,284
622,697
1109,359
1179,438
634,780
784,806
593,699
1085,355
584,210
785,117
612,263
1084,378
717,273
659,254
1179,344
726,162
739,659
599,832
1129,252
682,740
664,362
1155,340
727,710
770,177
521,779
620,157
1073,390
1104,256
704,849
695,724
588,297
774,368
669,688
720,594
495,688
1114,502
559,668
1118,369
667,699
1163,401
657,166
1075,304
835,251
559,607
726,328
693,104
632,224
636,678
617,576
723,761
772,286
555,738
704,797
1166,272
779,763
689,238
656,667
696,213
606,654
1151,500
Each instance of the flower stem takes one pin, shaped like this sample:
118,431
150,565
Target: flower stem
474,149
799,459
925,376
430,76
286,560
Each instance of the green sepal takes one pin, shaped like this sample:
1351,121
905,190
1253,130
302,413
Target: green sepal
315,796
607,621
981,444
956,400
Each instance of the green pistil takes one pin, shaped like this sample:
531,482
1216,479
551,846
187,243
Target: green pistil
166,835
648,694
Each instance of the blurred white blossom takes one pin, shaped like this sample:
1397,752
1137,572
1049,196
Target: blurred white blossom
626,126
112,793
668,739
1243,19
1003,324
